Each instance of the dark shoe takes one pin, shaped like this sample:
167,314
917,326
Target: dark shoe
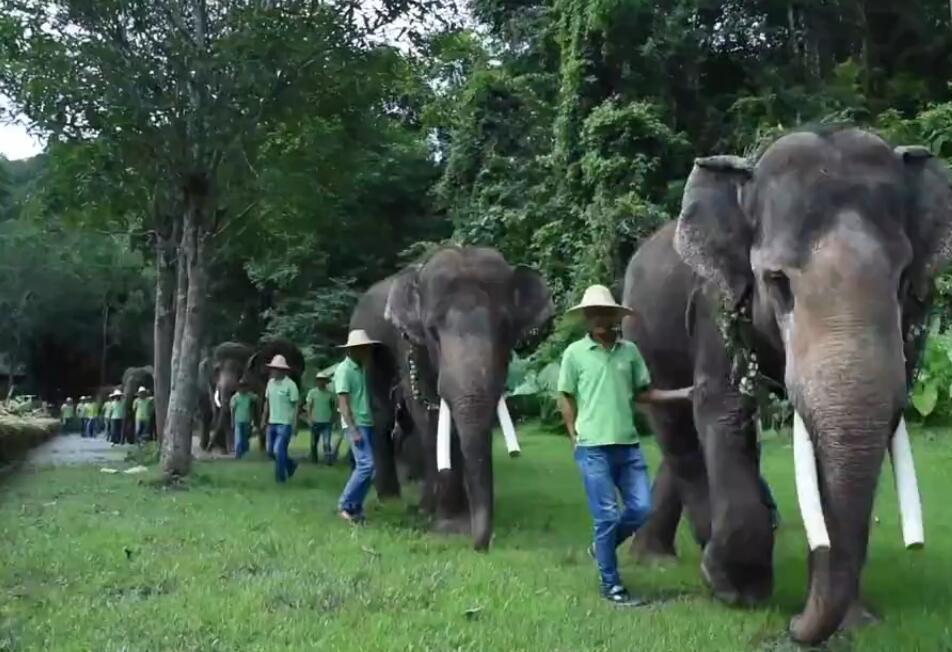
353,519
619,596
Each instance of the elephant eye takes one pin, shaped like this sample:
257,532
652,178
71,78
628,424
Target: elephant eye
778,284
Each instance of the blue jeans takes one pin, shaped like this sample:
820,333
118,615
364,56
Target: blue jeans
279,437
90,428
242,432
115,431
143,430
605,469
355,491
83,426
321,432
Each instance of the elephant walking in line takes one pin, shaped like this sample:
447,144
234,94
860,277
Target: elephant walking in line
220,374
448,326
132,379
811,267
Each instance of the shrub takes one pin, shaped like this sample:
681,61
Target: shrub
19,435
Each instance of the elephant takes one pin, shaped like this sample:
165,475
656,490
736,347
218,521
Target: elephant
447,327
808,269
256,370
132,379
220,374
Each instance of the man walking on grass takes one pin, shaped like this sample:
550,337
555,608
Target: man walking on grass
117,411
601,378
281,410
142,407
353,401
320,417
241,404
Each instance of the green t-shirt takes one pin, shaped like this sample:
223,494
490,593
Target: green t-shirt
320,405
282,398
350,379
92,410
67,411
118,410
241,404
604,384
143,409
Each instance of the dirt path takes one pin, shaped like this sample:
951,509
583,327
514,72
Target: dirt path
73,449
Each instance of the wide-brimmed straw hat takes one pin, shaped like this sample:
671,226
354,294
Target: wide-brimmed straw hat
114,394
278,362
358,338
599,296
142,389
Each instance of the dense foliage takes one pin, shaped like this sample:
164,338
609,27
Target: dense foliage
559,131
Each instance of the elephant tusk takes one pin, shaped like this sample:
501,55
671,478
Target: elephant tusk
217,399
808,486
443,438
907,488
508,429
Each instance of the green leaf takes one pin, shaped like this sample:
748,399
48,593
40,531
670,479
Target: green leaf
924,399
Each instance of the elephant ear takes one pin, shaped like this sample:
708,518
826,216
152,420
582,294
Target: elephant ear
404,309
930,224
531,300
713,235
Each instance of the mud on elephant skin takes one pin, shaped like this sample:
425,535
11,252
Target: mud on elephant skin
817,258
220,373
132,379
448,326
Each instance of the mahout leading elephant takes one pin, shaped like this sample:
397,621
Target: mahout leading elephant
256,370
448,326
811,268
132,379
220,373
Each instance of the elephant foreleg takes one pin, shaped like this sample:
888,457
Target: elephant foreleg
386,480
655,541
452,505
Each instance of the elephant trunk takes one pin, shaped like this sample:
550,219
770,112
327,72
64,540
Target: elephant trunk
474,417
848,391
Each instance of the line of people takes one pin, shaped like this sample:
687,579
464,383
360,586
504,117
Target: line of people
92,418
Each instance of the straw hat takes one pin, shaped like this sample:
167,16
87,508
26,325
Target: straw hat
142,389
278,362
358,338
599,296
115,393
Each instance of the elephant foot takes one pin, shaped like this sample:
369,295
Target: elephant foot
650,552
857,617
453,525
736,584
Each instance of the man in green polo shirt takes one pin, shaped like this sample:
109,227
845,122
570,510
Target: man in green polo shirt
601,378
67,417
281,410
142,407
353,401
242,403
320,417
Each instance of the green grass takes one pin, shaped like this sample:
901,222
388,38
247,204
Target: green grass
98,562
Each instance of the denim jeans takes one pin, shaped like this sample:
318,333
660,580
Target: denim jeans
242,432
143,430
279,437
355,491
90,428
115,431
321,432
605,469
83,425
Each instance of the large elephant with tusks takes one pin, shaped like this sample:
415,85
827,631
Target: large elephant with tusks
448,326
220,374
810,268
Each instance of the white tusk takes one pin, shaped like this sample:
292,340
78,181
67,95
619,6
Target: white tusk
808,486
508,430
443,438
907,488
217,399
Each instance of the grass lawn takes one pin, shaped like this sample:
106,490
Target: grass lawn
98,562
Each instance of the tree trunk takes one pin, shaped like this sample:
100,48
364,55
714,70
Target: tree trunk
105,342
177,439
165,281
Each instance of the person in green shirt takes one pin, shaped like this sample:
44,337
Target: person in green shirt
600,379
319,406
353,401
281,410
242,403
67,416
116,412
142,406
106,416
81,415
92,417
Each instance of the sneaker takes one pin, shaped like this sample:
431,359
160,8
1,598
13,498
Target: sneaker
619,596
353,519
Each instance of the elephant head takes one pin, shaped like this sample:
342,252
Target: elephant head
831,240
221,373
467,308
132,379
257,367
